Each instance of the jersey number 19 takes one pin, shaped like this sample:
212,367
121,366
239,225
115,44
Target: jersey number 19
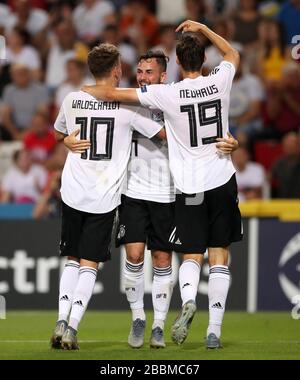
204,120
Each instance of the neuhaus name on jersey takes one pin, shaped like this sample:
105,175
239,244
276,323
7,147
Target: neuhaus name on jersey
201,93
95,105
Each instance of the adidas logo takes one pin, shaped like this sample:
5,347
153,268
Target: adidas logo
162,295
178,242
187,284
78,303
64,298
132,289
217,306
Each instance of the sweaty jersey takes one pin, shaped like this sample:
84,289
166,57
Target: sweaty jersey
92,182
149,177
196,114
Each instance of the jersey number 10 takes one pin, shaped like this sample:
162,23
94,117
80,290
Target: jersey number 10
204,120
109,122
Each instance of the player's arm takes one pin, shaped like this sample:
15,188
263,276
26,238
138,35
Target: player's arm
227,51
227,144
59,136
110,94
74,145
162,134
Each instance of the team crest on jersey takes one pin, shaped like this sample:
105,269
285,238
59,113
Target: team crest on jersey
157,116
215,71
122,232
144,88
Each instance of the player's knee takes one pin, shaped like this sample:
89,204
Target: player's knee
161,259
161,262
218,256
71,258
135,257
195,257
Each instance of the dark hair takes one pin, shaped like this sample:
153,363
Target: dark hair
23,34
102,59
111,28
159,55
281,44
190,52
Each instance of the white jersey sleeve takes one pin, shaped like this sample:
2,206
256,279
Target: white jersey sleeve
223,75
152,96
144,124
60,124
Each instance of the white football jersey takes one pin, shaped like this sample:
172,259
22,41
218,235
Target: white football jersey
196,113
149,177
92,182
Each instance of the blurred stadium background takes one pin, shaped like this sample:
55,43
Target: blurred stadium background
46,45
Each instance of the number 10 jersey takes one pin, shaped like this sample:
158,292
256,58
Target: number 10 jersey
92,181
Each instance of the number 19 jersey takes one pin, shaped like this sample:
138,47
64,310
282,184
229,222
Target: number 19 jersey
92,182
196,114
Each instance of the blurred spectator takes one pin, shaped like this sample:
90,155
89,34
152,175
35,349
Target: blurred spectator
23,182
139,25
64,47
57,160
272,54
213,55
283,101
49,203
76,78
21,100
269,8
118,4
196,11
289,17
250,176
246,23
170,15
247,95
128,53
168,46
18,51
286,171
90,18
32,19
39,140
4,17
223,8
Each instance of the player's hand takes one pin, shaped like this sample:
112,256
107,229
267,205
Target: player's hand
190,26
76,146
228,144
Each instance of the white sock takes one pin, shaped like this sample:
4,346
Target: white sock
82,295
162,289
218,286
189,276
67,287
134,288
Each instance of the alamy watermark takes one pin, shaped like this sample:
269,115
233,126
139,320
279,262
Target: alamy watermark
296,48
296,309
2,308
2,48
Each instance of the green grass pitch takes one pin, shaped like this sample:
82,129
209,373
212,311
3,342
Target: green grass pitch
103,336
